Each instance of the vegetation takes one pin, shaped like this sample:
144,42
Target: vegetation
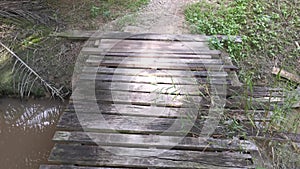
270,34
269,29
27,33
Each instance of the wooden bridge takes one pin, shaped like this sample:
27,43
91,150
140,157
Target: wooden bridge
153,101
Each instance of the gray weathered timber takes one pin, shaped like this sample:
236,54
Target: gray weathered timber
155,80
131,124
166,100
167,112
142,101
108,59
74,167
103,52
172,89
146,44
151,55
95,34
139,157
158,73
157,141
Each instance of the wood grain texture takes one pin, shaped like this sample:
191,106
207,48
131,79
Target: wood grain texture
74,167
157,141
159,73
106,51
143,100
139,157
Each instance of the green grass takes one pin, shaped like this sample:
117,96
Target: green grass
269,30
270,33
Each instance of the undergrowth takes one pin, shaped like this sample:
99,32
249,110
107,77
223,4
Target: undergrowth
92,14
269,30
27,33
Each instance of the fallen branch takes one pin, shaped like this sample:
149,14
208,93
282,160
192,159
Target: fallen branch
285,74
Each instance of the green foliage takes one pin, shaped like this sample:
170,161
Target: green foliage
223,19
95,10
270,34
269,30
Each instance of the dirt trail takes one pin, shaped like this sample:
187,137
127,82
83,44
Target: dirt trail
159,16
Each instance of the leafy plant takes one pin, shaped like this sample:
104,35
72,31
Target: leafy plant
270,33
95,10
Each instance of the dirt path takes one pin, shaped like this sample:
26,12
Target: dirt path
159,16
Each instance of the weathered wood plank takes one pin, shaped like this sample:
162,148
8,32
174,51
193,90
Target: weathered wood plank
138,98
190,89
74,167
104,52
91,122
96,59
152,72
84,35
137,110
146,45
155,80
193,89
128,110
169,66
173,89
163,112
168,100
138,157
96,122
157,141
151,55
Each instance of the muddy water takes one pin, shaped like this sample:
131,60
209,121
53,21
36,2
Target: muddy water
26,129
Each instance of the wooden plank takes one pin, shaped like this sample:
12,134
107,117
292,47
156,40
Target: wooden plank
282,73
73,167
192,89
129,110
92,122
99,122
84,35
96,122
280,136
164,100
172,89
97,59
138,98
91,35
163,112
141,64
151,55
99,51
157,45
142,97
154,80
157,141
157,65
152,72
138,157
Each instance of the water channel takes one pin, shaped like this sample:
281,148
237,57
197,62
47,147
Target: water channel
26,129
